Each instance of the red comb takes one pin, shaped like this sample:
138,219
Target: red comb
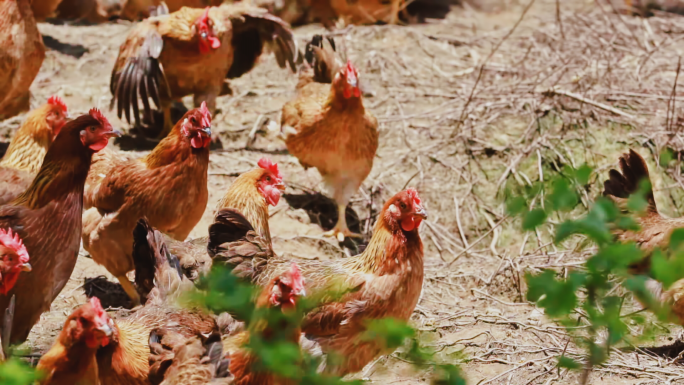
12,241
205,16
351,69
267,164
297,280
58,102
413,194
99,116
206,115
97,306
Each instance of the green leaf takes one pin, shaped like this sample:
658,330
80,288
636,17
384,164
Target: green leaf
516,206
557,297
569,363
582,174
676,239
15,372
392,332
563,197
533,219
637,201
666,156
449,375
667,271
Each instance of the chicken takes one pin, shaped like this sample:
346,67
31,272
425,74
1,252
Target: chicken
93,11
141,9
655,229
72,358
168,186
191,52
189,361
47,217
327,127
282,291
13,260
384,281
126,359
31,142
21,55
28,147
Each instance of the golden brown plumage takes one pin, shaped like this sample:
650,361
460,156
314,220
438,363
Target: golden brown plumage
191,52
327,127
384,281
47,217
282,291
71,360
655,229
42,9
126,359
21,54
168,187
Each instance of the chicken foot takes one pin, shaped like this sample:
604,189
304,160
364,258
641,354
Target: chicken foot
130,290
340,231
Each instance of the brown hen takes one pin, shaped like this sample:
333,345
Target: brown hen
21,54
191,52
71,359
384,281
47,217
327,127
168,187
28,147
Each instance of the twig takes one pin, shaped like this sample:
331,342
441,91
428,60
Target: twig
594,103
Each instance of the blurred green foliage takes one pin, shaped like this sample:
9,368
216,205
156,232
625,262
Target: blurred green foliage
16,372
271,332
585,299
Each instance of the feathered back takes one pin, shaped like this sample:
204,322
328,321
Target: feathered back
31,142
620,186
153,262
234,244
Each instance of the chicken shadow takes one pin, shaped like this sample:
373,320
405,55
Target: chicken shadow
3,148
323,212
74,50
110,294
672,351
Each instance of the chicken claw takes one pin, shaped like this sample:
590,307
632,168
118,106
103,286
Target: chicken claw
130,290
341,233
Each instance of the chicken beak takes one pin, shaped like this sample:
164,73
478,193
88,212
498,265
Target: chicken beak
206,131
26,267
420,212
280,186
113,133
106,329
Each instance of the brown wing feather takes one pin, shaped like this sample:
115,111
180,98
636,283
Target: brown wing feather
622,185
12,183
138,72
254,29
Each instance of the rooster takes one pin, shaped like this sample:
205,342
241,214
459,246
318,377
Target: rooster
384,281
27,150
20,56
168,186
72,358
126,359
284,292
191,52
327,127
47,217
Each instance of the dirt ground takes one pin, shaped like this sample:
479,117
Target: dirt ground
466,106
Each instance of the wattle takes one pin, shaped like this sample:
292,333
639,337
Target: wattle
97,146
199,141
408,224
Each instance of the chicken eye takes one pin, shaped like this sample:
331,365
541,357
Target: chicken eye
204,35
268,178
403,206
92,128
193,120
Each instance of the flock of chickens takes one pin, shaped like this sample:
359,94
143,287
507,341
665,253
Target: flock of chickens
61,187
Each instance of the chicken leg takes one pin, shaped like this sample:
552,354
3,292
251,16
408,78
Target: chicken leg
340,231
394,17
130,290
